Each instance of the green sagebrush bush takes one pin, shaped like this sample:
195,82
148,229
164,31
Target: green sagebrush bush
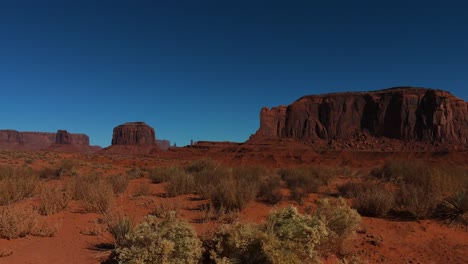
164,241
287,237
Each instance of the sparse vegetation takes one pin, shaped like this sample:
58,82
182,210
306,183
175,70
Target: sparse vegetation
52,200
119,226
16,222
119,183
163,174
287,237
375,200
95,193
16,184
306,180
454,209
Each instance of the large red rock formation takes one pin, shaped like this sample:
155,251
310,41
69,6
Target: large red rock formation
134,133
403,113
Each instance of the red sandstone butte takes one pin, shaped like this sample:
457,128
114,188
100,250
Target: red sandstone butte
134,133
403,113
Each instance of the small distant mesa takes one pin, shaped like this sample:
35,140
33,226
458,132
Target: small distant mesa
61,140
137,133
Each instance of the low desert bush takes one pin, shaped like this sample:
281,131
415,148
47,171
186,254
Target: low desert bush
135,173
236,189
52,200
376,201
304,181
119,183
160,241
16,184
48,173
415,201
351,189
440,180
166,208
287,237
454,209
119,226
341,220
16,222
202,165
270,188
180,183
66,167
95,193
163,174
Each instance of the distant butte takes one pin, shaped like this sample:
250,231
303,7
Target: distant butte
62,141
135,138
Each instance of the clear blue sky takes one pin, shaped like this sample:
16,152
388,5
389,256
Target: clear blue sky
202,70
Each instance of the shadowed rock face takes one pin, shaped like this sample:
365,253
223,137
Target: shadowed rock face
400,113
133,133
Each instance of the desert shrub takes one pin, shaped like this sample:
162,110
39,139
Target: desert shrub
438,180
119,226
304,181
374,201
180,183
239,243
16,184
52,200
166,208
235,190
454,209
66,166
416,201
202,165
162,174
160,241
95,193
341,220
16,222
119,183
47,173
135,173
287,237
351,189
207,174
270,188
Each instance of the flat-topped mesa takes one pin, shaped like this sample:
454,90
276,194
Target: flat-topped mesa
133,133
404,113
63,137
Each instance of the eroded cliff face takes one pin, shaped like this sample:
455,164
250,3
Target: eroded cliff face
134,133
403,113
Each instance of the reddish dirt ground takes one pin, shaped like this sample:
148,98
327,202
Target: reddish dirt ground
377,240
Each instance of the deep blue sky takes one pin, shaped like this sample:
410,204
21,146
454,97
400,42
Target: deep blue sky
202,70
